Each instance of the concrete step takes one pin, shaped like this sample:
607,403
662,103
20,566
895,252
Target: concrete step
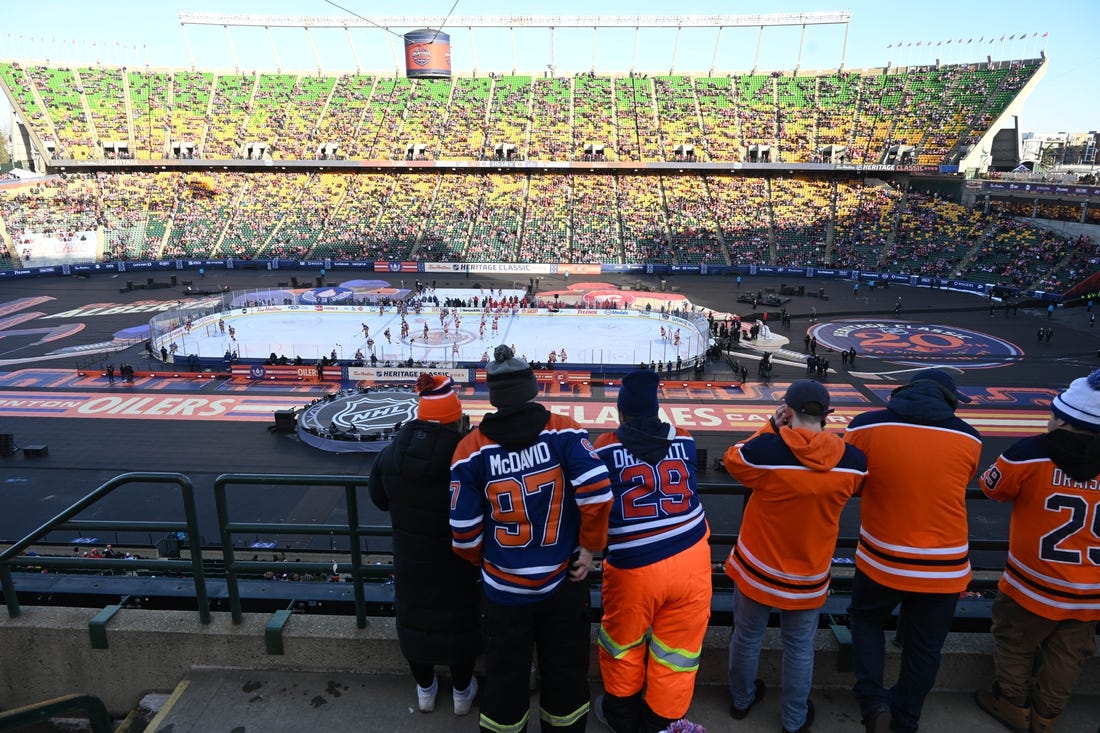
272,701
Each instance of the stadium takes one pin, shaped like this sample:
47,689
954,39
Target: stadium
160,216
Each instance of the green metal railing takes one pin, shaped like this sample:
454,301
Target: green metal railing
228,529
13,554
352,530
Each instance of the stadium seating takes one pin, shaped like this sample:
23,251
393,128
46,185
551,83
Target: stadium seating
552,137
863,116
669,219
936,111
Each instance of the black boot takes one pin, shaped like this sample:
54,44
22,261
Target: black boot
652,722
620,714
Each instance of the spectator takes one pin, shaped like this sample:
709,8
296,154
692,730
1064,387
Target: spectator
656,577
530,502
437,594
1048,600
913,547
801,477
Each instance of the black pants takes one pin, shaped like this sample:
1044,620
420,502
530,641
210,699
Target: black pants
424,674
559,628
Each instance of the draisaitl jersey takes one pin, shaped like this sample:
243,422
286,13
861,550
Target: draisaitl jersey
522,513
656,512
1053,565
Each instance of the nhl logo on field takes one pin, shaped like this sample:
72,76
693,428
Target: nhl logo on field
368,413
375,412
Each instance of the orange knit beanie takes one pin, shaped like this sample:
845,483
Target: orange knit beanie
438,400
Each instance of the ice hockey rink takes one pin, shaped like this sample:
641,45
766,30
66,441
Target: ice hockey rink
593,336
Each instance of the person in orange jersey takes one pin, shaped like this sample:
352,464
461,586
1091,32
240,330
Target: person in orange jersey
1048,599
656,575
913,548
801,477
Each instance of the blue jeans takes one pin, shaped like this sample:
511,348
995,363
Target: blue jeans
922,627
797,629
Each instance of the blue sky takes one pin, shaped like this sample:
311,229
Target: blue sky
142,32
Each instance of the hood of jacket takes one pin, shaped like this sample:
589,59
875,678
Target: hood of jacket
647,439
923,401
515,427
1078,454
816,451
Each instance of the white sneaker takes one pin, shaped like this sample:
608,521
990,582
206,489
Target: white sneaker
464,700
425,698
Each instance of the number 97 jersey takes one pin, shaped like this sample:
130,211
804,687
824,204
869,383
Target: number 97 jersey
656,512
1053,565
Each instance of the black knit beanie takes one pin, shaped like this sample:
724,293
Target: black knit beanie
511,380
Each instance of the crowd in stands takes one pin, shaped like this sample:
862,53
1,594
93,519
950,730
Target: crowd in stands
601,217
524,217
98,112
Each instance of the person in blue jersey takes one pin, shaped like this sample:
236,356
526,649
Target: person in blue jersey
656,575
529,504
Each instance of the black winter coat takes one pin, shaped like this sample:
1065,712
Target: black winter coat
438,593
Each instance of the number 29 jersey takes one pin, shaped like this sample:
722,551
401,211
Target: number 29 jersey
656,511
1053,565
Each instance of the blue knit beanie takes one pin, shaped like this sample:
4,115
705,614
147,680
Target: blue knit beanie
638,395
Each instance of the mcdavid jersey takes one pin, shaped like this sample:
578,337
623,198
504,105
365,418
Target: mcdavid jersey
1053,565
656,512
521,514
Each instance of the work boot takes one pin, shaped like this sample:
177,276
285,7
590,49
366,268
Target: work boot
620,714
1039,724
877,722
1015,718
652,722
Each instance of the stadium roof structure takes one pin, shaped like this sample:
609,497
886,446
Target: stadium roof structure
511,22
